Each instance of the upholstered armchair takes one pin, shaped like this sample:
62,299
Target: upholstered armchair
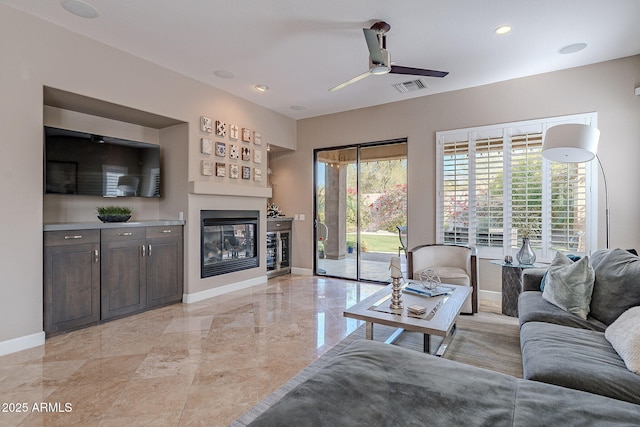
456,265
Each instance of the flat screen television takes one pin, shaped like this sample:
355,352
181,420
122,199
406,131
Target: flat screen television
97,165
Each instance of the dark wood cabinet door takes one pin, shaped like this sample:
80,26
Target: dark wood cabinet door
164,265
71,280
123,277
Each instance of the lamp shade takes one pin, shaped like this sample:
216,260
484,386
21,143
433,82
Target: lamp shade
570,143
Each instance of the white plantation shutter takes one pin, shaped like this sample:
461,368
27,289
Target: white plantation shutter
493,184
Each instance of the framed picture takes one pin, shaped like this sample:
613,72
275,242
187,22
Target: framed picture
234,171
221,169
246,154
257,174
246,172
205,124
234,151
221,149
257,156
206,167
233,132
206,146
62,177
221,128
257,138
246,135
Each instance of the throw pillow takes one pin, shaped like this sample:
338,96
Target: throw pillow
572,257
624,336
569,285
617,285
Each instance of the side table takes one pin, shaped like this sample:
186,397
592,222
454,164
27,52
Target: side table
512,285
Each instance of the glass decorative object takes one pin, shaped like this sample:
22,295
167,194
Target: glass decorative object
525,255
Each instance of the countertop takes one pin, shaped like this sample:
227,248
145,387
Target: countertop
93,225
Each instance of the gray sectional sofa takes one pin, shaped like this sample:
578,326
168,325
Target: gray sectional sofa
573,376
560,348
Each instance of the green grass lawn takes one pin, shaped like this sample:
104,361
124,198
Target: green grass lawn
377,242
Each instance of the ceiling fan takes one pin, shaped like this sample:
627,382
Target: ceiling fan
380,60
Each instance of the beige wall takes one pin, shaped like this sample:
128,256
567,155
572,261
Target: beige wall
606,88
35,54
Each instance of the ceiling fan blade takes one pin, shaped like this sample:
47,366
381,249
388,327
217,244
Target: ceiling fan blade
371,36
397,69
348,82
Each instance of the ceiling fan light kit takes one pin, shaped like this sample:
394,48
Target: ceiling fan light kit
380,59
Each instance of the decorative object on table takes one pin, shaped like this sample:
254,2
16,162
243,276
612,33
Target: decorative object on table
508,259
525,255
246,135
396,286
206,125
429,279
114,213
257,174
206,146
576,143
273,211
221,128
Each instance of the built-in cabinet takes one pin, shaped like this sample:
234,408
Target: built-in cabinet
95,275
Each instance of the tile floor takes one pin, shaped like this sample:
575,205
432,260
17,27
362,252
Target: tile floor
199,364
182,365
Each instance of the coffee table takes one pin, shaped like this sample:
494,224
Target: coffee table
439,320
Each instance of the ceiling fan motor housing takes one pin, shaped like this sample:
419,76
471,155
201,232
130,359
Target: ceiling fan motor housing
381,68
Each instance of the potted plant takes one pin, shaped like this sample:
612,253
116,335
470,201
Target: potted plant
114,213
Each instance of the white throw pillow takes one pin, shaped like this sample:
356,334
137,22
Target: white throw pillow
624,336
569,284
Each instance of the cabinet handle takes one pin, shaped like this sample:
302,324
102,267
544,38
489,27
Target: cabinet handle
125,234
78,236
96,256
144,250
166,231
149,250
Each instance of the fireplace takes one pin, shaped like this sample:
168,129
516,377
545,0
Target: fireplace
229,241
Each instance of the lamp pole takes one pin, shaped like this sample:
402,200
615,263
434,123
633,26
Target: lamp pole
606,202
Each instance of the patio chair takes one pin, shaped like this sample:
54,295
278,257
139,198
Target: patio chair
456,265
402,236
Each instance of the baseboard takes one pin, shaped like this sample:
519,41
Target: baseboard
221,290
302,271
21,343
490,295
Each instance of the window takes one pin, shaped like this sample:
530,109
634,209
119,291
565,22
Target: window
494,185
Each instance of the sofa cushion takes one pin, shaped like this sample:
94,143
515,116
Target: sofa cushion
569,284
624,336
533,308
576,358
617,284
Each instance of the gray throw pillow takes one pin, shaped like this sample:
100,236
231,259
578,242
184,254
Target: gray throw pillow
569,284
617,285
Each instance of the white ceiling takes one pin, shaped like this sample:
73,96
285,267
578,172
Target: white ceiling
301,48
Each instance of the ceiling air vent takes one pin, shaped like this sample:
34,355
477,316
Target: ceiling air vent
410,86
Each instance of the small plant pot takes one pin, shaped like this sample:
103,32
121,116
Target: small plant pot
114,218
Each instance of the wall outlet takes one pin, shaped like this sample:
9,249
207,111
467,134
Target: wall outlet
301,217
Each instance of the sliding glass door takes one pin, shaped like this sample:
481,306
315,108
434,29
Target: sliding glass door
360,201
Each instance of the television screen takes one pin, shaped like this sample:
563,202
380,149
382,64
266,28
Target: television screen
88,164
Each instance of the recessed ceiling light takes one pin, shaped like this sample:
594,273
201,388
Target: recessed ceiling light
80,8
298,107
572,48
262,88
224,74
502,29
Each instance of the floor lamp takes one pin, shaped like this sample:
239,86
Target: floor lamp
575,143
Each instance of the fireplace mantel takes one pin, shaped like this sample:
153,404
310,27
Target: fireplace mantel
213,188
